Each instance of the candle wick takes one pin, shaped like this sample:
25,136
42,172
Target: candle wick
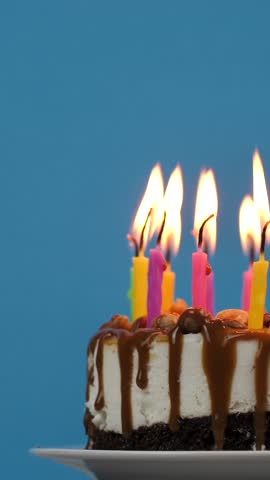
135,243
263,238
168,254
143,230
251,249
161,230
200,237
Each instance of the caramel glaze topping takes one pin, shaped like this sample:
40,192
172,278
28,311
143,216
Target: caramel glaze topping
175,338
262,362
127,342
218,360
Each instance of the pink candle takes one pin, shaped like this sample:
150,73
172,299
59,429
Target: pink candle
247,280
155,274
199,279
210,293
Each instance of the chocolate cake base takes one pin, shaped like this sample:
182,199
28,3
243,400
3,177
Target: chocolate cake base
193,434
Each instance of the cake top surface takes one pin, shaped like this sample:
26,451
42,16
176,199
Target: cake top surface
229,323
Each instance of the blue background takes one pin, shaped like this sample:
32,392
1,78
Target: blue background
92,95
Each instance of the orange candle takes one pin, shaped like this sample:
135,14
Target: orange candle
171,233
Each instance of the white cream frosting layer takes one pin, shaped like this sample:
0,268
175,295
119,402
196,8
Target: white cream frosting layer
152,405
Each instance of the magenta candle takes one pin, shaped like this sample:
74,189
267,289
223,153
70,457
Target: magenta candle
156,268
199,280
247,281
210,294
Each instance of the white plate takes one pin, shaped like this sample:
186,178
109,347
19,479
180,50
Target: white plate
131,465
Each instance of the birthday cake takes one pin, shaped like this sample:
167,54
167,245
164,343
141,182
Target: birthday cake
178,378
190,382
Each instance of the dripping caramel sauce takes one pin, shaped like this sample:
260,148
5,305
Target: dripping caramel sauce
219,362
127,342
175,354
218,359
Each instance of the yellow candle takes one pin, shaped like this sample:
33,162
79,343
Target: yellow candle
258,293
140,273
130,293
167,289
147,213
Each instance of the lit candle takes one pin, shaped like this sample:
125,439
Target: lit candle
138,276
210,293
145,223
139,300
171,234
258,287
205,229
249,228
131,288
168,287
199,272
154,300
246,289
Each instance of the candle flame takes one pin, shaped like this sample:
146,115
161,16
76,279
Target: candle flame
152,199
173,200
206,204
260,195
249,225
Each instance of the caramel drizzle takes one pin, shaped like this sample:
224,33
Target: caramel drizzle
127,342
125,354
262,362
99,402
98,342
219,362
143,362
141,341
87,420
175,354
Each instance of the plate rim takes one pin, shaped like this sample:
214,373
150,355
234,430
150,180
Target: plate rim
103,454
